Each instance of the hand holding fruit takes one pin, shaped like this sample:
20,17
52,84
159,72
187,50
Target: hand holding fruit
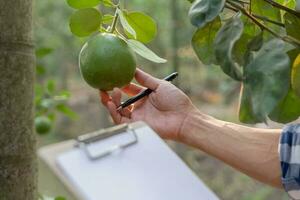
164,110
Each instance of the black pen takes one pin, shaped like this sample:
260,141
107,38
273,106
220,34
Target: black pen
144,93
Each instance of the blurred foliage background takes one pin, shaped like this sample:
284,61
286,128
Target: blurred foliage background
208,87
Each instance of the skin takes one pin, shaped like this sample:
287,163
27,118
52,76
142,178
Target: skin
173,116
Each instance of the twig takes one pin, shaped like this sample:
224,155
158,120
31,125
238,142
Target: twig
268,20
242,2
286,38
231,8
114,23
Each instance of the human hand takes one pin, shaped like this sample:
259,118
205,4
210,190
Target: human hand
164,110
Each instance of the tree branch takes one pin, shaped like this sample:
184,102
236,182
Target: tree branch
285,38
277,5
268,20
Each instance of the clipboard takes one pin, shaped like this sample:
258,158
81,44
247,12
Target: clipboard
121,166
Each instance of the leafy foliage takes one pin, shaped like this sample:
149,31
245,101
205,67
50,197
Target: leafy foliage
48,99
203,41
204,11
144,26
252,49
137,27
230,32
265,88
143,51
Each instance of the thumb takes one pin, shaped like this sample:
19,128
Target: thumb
146,79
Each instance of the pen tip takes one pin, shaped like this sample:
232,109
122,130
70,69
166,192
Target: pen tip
119,108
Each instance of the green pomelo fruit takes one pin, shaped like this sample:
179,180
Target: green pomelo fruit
106,61
42,125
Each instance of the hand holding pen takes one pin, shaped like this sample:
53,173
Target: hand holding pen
165,105
144,93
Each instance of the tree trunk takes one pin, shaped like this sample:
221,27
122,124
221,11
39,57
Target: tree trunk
174,37
18,167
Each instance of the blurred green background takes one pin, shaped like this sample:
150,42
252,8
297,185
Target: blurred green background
207,86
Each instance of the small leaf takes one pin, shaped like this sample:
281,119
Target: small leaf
203,39
107,3
40,70
60,198
288,109
204,11
42,52
107,19
84,22
227,36
51,86
143,25
296,75
66,111
62,96
267,78
80,4
127,27
143,51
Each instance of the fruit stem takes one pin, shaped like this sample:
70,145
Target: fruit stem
114,23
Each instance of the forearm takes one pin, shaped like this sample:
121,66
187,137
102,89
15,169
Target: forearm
252,151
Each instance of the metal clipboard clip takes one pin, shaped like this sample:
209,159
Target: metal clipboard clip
85,140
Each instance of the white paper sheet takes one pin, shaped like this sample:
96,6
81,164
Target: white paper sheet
148,170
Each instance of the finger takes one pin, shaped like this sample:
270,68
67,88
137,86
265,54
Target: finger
104,97
115,115
116,96
146,79
132,89
126,112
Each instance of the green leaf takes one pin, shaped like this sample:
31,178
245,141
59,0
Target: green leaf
289,3
127,27
80,4
296,75
62,96
143,25
288,109
66,111
227,36
40,70
107,19
84,22
203,39
246,114
143,51
254,45
42,52
107,3
204,11
292,25
267,79
51,86
52,116
262,8
60,198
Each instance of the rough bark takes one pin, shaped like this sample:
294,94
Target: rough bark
17,142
